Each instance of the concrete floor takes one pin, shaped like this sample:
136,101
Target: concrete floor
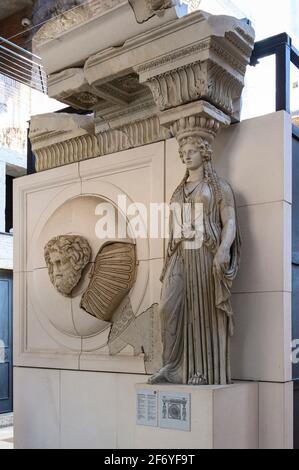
6,438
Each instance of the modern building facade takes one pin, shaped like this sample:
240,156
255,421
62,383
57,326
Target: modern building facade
14,113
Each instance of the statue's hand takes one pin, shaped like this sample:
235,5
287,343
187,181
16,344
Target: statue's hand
188,233
221,261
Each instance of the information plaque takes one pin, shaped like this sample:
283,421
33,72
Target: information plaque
147,408
175,411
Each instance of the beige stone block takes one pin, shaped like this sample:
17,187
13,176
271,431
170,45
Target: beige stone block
137,174
37,342
224,417
266,248
34,199
36,408
276,415
88,411
259,169
261,346
126,410
255,156
55,218
102,361
69,49
67,410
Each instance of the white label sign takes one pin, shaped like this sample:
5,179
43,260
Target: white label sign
147,408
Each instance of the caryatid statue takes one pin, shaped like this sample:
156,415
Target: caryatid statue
196,311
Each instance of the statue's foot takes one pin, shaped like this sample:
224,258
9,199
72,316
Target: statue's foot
197,379
158,378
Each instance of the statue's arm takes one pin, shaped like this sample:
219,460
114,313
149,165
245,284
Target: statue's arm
229,228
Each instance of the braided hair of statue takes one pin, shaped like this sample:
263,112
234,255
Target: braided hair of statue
210,175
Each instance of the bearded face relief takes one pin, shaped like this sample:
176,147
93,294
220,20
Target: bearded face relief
66,257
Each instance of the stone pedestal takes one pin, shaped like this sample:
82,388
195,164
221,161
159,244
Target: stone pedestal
222,417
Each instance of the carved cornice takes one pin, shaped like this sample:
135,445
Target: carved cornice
229,58
246,33
64,153
49,129
210,44
134,134
200,80
172,57
243,46
212,69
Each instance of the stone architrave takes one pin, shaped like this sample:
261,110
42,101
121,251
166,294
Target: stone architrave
163,64
59,139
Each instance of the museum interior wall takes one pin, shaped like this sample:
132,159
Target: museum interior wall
87,325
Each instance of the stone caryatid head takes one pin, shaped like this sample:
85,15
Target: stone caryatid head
66,257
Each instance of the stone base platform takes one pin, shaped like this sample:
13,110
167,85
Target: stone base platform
221,417
72,409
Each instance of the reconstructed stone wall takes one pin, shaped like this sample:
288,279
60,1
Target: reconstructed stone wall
261,345
173,79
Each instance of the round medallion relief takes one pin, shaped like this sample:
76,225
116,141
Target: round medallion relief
75,218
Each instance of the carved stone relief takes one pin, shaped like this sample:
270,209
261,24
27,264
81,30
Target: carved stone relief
76,91
112,277
142,333
70,141
196,81
66,257
99,299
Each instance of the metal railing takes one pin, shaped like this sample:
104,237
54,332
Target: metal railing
22,66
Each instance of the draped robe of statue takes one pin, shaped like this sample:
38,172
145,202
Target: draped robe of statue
196,312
